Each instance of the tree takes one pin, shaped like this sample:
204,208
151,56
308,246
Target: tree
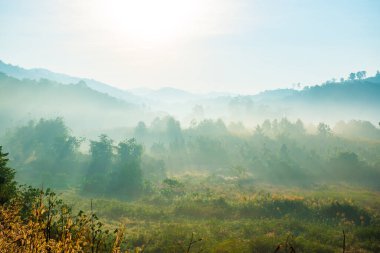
174,134
126,177
266,127
361,74
299,127
101,153
45,152
209,127
7,183
324,129
352,76
101,159
140,131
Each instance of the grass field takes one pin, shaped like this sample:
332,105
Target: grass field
240,217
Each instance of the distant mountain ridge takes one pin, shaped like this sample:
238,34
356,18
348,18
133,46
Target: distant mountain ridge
39,73
357,99
346,100
137,95
83,108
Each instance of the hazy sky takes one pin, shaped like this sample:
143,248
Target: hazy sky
198,45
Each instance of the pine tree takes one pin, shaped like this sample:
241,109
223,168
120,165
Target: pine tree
7,183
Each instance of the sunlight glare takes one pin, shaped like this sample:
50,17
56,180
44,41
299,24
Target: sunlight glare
152,21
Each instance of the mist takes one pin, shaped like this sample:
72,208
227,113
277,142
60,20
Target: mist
189,126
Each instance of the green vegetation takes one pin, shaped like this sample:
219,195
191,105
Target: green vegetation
192,214
277,152
231,218
47,98
212,186
7,183
205,188
107,109
88,167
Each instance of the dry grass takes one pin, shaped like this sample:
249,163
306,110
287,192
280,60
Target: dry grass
52,228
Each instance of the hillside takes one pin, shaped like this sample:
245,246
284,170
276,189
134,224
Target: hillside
82,107
351,99
39,73
331,102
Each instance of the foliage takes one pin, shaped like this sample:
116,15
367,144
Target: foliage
46,152
7,183
171,188
126,177
49,225
117,174
100,164
279,152
214,188
226,216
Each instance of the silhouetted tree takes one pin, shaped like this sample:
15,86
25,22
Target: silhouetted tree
361,74
352,76
174,134
126,177
324,129
100,163
7,183
140,131
299,127
266,127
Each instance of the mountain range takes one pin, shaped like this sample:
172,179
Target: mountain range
137,96
33,93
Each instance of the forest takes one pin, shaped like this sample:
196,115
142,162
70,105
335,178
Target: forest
283,186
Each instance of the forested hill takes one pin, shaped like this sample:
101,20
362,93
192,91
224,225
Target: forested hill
356,98
80,106
364,92
351,99
39,73
333,101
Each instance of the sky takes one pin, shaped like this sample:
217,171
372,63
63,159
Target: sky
241,46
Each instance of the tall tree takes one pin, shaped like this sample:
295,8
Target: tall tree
324,129
101,161
7,183
140,131
126,177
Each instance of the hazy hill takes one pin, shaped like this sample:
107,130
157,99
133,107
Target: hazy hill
354,99
138,96
39,73
82,107
165,94
330,103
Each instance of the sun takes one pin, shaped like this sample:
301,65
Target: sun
151,21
